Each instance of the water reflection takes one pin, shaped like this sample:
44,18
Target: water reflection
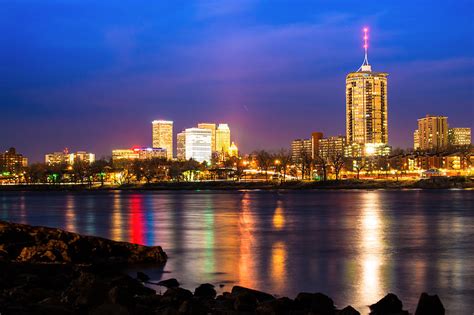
354,246
372,248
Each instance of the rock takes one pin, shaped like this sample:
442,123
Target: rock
176,296
260,296
205,290
109,309
142,276
348,310
278,306
389,304
193,307
316,302
245,302
429,305
121,295
169,283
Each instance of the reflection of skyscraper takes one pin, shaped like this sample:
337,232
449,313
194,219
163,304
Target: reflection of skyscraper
163,136
223,138
366,105
212,128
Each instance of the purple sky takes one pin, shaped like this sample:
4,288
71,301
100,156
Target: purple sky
92,75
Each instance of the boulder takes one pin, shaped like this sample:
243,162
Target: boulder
282,305
169,283
389,304
259,295
205,290
142,277
348,310
245,302
318,303
429,305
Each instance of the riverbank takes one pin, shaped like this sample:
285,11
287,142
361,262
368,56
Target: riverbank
429,183
51,271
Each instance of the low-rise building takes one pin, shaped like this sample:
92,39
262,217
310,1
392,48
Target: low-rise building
64,157
12,162
301,148
332,146
459,136
138,153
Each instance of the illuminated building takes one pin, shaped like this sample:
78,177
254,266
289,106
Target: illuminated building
459,136
366,105
64,157
198,144
163,136
301,148
233,150
223,138
12,162
181,146
315,137
432,133
332,146
416,140
212,128
138,153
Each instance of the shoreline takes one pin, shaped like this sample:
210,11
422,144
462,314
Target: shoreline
52,271
430,183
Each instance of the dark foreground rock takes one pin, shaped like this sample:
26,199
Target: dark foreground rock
34,244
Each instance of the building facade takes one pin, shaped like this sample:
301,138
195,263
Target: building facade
12,162
198,144
181,146
223,139
301,148
138,153
315,137
366,106
331,147
459,136
64,157
432,133
163,136
212,128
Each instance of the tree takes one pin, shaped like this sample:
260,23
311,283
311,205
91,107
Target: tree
358,164
322,163
284,158
264,161
337,161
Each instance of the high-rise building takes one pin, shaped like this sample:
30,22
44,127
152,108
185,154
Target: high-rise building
332,146
81,156
181,146
315,137
366,105
12,162
163,136
212,128
198,144
416,140
233,150
432,133
223,138
459,136
301,148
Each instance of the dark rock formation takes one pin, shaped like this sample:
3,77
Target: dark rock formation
429,305
388,305
32,244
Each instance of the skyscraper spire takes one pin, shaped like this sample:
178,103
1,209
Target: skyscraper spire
365,65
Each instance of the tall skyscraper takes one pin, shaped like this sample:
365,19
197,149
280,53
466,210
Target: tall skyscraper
432,133
212,128
181,146
366,105
163,136
223,138
198,144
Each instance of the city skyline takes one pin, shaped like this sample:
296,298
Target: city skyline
278,91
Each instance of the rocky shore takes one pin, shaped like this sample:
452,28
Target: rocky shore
51,271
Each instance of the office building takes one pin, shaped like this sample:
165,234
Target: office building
198,144
212,128
138,153
459,136
12,162
432,133
81,156
366,105
233,150
67,158
223,139
181,146
301,148
331,147
163,136
315,137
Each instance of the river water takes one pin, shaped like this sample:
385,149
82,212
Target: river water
354,246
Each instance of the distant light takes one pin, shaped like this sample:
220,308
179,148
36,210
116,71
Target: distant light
366,46
366,29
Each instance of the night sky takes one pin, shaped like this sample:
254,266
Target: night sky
92,75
